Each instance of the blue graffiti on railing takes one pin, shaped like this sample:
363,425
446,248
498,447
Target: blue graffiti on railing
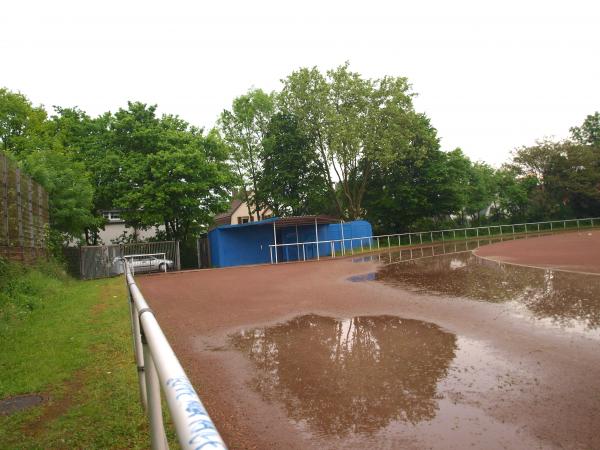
202,430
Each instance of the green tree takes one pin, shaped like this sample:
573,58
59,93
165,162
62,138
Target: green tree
88,141
291,182
170,173
244,129
481,190
22,125
354,125
589,132
27,134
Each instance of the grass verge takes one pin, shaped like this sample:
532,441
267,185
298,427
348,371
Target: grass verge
69,340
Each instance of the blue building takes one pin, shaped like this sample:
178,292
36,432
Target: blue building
281,239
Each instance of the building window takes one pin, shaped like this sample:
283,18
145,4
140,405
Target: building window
244,219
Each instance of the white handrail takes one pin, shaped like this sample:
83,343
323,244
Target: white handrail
431,233
158,367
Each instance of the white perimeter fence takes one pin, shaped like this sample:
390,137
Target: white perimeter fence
158,367
340,247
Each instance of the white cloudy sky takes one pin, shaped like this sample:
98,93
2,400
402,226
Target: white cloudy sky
491,75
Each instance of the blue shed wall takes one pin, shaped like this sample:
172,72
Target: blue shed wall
249,244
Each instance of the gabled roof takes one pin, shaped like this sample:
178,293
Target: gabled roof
235,204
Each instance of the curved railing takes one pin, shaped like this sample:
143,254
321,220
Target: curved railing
159,369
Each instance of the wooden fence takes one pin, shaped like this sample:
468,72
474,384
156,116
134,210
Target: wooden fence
23,214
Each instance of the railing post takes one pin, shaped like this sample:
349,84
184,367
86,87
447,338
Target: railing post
137,345
578,224
421,238
538,227
409,239
157,428
389,243
551,228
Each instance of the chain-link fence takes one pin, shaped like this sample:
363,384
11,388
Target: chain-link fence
23,214
101,261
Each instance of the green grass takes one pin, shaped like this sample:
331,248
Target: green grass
69,340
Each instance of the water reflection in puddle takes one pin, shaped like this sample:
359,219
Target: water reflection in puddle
377,377
564,298
351,375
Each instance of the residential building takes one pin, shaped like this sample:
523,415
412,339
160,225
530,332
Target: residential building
238,214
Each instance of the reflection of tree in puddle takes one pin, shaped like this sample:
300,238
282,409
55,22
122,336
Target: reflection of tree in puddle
561,296
354,375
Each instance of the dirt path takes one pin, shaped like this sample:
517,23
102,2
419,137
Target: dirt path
507,380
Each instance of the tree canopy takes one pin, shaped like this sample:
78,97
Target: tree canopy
330,142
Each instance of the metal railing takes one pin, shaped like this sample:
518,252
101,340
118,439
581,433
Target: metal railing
340,247
158,367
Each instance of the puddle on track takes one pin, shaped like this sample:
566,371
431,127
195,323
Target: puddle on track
567,299
379,379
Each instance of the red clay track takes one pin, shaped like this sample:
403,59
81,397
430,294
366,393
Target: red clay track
515,382
569,251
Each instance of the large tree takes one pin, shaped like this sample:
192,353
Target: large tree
291,182
171,174
354,124
244,129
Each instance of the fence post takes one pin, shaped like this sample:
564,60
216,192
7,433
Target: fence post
198,252
137,345
158,437
177,255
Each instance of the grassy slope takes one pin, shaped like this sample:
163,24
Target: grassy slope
70,340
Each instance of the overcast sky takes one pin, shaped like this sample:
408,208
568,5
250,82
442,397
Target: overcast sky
492,76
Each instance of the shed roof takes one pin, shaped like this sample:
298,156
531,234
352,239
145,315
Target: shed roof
281,222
